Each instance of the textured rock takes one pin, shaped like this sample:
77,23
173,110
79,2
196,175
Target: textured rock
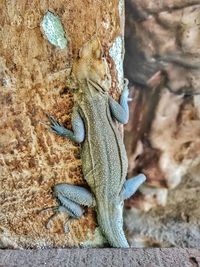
102,257
34,79
163,134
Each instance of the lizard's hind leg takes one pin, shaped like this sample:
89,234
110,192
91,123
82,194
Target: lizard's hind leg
71,198
131,185
57,210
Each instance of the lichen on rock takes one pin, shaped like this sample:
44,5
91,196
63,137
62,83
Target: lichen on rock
53,30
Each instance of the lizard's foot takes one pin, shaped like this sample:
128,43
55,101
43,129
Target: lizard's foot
55,126
126,82
67,223
77,134
125,91
57,210
131,185
71,199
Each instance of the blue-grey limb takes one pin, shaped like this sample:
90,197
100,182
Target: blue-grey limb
120,111
77,134
131,185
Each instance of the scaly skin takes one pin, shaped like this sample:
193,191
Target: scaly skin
104,164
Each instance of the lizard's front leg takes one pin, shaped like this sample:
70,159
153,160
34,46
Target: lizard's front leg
78,132
120,111
71,198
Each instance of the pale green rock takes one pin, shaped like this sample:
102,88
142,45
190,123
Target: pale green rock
121,7
117,53
53,30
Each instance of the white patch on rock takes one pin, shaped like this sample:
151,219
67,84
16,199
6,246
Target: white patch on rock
117,53
121,7
53,30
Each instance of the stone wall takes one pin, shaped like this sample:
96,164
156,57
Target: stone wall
163,133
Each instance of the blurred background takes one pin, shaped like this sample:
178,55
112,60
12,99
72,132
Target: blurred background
163,134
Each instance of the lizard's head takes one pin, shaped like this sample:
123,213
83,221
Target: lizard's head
91,66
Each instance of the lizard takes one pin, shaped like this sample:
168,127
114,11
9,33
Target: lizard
103,155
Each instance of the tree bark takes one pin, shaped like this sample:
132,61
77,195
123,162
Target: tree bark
35,77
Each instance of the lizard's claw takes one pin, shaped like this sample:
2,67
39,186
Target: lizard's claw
125,91
48,223
55,209
52,120
65,224
55,126
126,82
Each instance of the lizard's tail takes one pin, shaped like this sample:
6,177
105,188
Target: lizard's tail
112,228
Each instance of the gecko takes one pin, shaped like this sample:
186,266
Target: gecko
103,155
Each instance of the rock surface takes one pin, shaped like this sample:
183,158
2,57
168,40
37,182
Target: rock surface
101,257
34,80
